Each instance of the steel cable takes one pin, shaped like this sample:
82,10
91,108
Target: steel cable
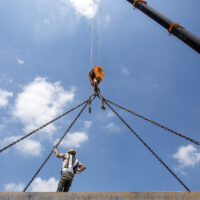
99,33
92,42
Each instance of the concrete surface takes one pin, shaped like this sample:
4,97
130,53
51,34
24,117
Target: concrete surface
100,196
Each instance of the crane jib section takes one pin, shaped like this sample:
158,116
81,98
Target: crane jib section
173,28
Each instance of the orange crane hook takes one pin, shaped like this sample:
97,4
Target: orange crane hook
96,75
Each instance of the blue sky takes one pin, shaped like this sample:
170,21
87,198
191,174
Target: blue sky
44,65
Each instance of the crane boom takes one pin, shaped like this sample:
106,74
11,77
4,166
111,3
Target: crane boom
175,29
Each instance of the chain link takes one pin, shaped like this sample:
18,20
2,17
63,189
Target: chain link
50,154
56,147
38,129
149,148
155,123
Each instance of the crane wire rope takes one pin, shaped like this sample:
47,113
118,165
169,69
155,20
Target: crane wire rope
155,123
147,146
96,47
92,42
99,33
50,154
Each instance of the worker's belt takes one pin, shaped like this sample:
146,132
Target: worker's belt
70,170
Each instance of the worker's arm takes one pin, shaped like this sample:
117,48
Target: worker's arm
59,155
80,168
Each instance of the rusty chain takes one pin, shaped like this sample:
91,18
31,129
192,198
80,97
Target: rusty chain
38,129
50,154
148,147
155,123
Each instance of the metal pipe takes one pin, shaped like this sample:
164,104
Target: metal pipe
181,33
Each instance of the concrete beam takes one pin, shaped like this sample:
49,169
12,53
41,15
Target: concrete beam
100,196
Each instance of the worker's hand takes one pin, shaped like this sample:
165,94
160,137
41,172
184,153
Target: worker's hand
54,147
77,172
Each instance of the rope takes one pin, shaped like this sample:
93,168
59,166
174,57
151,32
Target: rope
99,33
36,130
148,147
56,147
155,123
92,44
93,47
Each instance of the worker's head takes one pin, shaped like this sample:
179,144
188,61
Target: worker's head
72,151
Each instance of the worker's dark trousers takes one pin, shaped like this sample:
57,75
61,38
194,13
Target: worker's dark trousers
65,182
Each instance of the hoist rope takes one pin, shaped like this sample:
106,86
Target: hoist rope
96,46
92,43
36,130
99,33
155,123
50,154
147,146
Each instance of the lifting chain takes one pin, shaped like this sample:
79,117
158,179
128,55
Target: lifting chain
102,103
50,154
149,148
38,129
155,123
89,102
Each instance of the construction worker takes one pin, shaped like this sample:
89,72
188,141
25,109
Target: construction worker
70,166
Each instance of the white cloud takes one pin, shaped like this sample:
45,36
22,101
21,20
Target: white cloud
113,127
26,147
105,115
110,114
40,102
20,62
12,187
74,140
87,124
125,71
187,156
87,8
4,95
40,185
107,18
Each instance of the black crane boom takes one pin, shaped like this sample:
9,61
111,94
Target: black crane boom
178,31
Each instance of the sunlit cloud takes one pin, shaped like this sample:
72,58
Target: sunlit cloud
26,147
187,156
113,127
13,187
87,8
4,96
74,140
87,124
20,62
40,185
41,101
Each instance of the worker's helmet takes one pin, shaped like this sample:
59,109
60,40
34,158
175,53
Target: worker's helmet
72,151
